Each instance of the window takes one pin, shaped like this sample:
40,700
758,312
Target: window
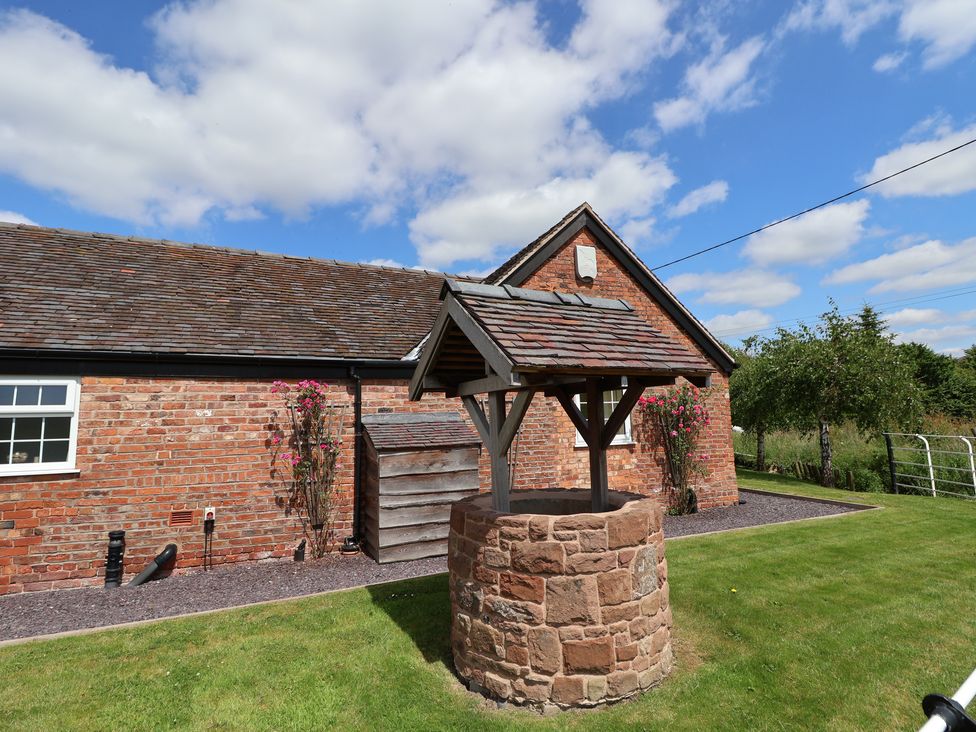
610,400
38,425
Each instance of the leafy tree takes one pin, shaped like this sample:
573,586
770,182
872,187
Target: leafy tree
949,385
754,393
843,369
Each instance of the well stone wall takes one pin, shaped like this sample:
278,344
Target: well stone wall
556,606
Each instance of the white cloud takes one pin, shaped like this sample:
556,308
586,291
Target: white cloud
714,192
383,262
932,264
478,225
12,217
720,82
814,238
755,287
735,324
386,105
851,17
889,62
943,337
947,176
947,27
914,316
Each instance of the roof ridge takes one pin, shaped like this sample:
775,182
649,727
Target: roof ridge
545,297
217,247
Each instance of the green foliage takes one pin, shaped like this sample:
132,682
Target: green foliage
948,384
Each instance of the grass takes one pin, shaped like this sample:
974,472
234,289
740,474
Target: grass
836,624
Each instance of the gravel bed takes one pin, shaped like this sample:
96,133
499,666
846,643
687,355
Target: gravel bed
755,509
39,613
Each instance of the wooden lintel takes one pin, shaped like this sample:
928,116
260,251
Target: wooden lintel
487,384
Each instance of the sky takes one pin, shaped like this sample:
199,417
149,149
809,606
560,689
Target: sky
446,135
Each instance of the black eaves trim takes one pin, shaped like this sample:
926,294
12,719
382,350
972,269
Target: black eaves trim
77,363
583,220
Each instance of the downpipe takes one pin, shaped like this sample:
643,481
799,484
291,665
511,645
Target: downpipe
162,559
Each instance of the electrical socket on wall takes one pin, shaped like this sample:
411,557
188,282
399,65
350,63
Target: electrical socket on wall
210,513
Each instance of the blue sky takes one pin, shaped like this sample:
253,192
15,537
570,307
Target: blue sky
446,135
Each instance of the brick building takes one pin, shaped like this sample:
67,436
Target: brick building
136,375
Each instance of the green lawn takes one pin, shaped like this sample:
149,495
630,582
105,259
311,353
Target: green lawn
838,624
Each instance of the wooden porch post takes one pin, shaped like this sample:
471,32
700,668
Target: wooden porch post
599,489
500,480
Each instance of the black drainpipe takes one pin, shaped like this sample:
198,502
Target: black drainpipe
357,452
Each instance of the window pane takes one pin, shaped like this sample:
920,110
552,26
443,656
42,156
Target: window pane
26,452
4,453
56,428
27,396
6,429
28,428
6,395
54,394
56,451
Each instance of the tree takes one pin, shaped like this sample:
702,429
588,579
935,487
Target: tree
949,385
754,394
844,369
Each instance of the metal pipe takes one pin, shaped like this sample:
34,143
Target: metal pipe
165,556
972,462
963,696
928,458
114,558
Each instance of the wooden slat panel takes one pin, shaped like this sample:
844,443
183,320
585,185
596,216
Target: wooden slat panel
419,462
439,498
412,515
458,480
413,534
413,551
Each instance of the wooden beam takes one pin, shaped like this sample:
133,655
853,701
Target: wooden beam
620,413
500,475
514,419
492,382
575,415
430,350
477,415
599,490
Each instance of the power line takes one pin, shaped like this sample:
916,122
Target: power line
877,307
812,208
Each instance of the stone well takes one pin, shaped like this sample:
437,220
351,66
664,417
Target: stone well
552,605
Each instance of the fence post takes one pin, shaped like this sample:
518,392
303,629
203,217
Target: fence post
891,461
972,461
928,459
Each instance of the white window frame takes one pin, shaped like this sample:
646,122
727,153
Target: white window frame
70,409
619,439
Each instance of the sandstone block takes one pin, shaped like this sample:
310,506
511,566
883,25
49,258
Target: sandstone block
616,613
627,529
572,600
522,587
590,656
571,632
542,557
590,562
615,587
596,688
622,683
645,571
545,650
485,640
578,522
497,686
532,687
515,611
568,690
627,653
539,528
593,540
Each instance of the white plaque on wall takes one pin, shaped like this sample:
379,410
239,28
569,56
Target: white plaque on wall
586,263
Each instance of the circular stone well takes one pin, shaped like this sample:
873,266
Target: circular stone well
553,605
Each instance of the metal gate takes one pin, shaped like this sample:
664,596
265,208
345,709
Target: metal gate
936,464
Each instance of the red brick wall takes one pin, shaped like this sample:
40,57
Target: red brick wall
148,446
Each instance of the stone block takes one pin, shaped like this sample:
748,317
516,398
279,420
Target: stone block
522,587
545,650
568,690
622,683
571,632
645,571
533,688
542,557
627,653
515,611
484,639
519,655
539,528
579,522
626,529
593,540
614,587
572,600
650,604
596,688
616,613
495,558
590,656
497,686
591,562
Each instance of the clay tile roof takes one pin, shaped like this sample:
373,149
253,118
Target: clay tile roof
68,290
552,331
419,431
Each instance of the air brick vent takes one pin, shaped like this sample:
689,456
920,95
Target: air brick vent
180,518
